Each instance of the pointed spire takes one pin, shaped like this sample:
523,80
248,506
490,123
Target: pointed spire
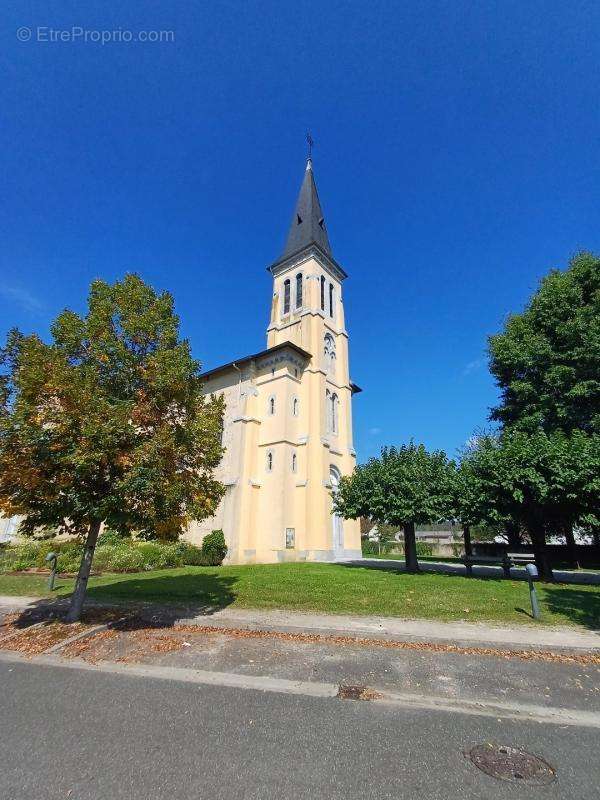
308,224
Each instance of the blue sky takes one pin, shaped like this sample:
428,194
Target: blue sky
457,159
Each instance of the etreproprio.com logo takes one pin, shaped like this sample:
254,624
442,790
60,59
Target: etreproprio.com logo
78,34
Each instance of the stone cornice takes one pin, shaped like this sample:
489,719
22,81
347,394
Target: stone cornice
293,261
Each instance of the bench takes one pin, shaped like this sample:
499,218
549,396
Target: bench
518,559
502,561
506,561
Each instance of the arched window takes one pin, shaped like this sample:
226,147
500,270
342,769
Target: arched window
271,405
294,462
334,413
329,351
295,407
331,299
327,410
322,293
270,461
286,296
299,290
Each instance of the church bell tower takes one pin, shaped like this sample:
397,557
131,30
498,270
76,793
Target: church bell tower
307,310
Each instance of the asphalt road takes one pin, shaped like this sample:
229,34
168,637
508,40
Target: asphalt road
71,734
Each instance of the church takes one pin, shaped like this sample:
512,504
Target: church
287,429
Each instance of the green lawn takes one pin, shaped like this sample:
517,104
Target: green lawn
337,589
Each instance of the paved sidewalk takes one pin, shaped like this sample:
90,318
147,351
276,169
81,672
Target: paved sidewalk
527,636
478,633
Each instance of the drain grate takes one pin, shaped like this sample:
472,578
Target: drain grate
346,692
512,764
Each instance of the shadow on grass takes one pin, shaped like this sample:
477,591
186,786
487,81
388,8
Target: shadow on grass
520,610
156,602
576,605
428,568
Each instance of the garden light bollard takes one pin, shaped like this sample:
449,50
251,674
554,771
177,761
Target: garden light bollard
52,558
532,573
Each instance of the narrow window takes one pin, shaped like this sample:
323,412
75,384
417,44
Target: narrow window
299,290
286,297
334,420
294,462
331,299
295,407
328,410
322,293
328,351
269,461
290,538
271,406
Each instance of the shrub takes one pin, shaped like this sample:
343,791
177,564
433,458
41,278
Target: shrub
114,553
125,558
424,549
369,548
108,536
190,554
214,548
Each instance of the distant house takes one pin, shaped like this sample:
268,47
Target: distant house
434,537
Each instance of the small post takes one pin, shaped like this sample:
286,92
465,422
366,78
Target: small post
52,558
532,573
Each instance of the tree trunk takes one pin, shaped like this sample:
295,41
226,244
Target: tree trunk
513,534
467,538
571,546
410,548
78,596
542,560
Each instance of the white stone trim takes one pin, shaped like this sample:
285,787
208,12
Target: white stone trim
291,442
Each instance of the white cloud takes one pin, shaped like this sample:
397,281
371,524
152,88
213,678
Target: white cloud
22,298
472,366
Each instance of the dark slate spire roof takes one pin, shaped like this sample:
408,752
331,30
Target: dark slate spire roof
308,223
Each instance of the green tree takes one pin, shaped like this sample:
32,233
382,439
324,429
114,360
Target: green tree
547,360
108,424
544,482
406,486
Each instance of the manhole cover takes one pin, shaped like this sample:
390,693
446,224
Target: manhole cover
358,693
512,764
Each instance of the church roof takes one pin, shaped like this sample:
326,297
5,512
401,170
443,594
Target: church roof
269,351
308,223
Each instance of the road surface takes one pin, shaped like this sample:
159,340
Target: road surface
85,735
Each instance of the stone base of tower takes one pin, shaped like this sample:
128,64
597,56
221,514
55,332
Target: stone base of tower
293,556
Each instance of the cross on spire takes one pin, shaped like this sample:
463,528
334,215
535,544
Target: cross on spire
310,143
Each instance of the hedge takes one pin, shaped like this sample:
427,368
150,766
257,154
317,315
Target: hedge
113,554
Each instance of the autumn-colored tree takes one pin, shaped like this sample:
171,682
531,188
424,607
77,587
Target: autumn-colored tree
108,424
